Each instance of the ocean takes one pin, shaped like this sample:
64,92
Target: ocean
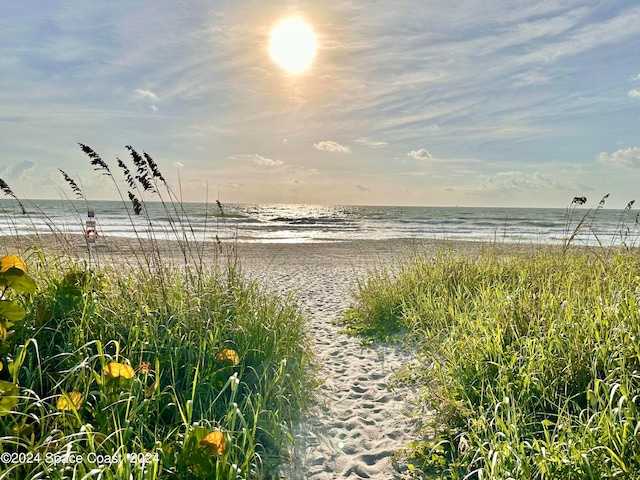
322,223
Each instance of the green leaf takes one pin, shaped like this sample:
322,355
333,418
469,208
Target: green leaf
18,280
11,310
8,397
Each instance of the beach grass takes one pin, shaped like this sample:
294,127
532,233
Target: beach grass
146,365
527,364
114,363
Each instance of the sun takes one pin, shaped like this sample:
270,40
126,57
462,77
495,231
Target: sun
293,45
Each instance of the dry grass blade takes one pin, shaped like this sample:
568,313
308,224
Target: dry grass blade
99,164
137,206
143,170
127,173
74,186
7,191
153,166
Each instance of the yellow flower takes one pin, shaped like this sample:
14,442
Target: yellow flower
117,370
228,355
214,442
69,401
12,261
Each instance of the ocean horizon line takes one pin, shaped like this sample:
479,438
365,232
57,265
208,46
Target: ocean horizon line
569,205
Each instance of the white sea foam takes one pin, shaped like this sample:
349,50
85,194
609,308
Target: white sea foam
315,223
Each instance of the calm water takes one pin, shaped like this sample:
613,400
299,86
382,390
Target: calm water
316,223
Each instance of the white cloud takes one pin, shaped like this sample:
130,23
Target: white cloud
331,146
628,157
371,143
147,94
178,164
421,154
266,162
634,93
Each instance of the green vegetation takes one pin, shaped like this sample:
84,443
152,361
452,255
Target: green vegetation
114,363
144,369
530,363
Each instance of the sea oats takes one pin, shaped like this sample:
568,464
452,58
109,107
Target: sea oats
74,186
7,191
99,164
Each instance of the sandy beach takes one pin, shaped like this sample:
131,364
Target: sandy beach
358,422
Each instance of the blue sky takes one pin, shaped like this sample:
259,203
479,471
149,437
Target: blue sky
500,103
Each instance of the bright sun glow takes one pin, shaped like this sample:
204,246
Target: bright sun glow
293,45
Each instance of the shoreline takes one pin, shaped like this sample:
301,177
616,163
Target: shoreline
75,245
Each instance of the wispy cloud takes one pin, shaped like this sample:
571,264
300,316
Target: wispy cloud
331,146
371,143
503,83
363,188
514,181
147,94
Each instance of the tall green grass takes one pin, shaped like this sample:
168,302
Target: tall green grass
528,363
131,370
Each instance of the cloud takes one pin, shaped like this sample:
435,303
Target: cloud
371,143
330,146
363,188
147,94
634,93
266,162
515,181
178,164
628,157
21,169
421,154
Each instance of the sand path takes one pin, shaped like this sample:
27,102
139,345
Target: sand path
358,422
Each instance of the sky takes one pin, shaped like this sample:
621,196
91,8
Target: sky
406,102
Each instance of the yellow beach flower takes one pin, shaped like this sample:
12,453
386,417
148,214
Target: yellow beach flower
118,370
228,355
69,401
12,261
214,442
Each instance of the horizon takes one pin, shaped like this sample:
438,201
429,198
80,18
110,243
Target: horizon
508,105
213,202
